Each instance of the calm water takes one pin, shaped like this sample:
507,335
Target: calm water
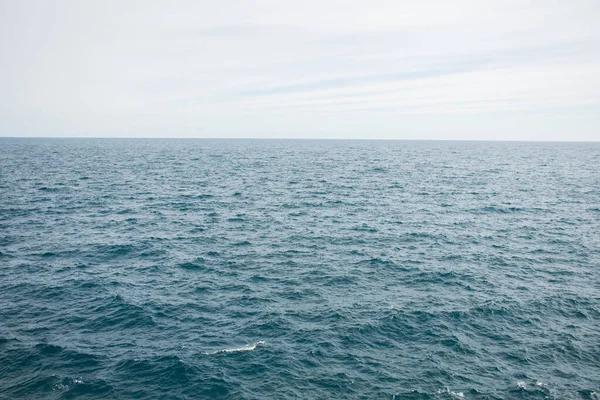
299,269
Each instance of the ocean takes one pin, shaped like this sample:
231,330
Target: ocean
285,269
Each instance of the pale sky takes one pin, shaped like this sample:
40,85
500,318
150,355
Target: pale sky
465,69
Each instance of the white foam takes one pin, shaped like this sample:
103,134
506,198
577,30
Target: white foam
521,385
245,348
59,386
451,393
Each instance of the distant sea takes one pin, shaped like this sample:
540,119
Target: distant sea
288,269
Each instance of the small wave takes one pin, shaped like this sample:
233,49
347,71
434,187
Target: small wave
113,250
451,393
245,348
48,349
75,387
196,264
589,394
117,312
376,261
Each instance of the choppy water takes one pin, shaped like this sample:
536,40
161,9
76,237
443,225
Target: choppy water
299,269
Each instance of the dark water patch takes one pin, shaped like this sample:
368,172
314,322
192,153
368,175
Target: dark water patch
376,261
67,254
48,349
114,250
154,253
48,189
116,313
27,371
365,228
339,281
198,264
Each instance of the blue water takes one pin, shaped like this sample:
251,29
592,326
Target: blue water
255,269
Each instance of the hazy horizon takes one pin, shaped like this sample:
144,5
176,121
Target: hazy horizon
300,138
470,70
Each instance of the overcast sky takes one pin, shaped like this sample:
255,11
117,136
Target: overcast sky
466,69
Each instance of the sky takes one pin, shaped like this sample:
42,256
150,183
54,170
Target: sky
377,69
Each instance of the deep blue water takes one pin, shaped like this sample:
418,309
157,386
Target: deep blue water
255,269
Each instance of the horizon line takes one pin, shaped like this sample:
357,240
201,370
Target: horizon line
302,138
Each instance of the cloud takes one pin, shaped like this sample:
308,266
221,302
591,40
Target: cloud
309,69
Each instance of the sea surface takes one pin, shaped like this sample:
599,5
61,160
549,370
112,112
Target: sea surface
266,269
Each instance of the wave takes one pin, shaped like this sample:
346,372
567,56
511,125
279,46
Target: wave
240,349
451,393
117,313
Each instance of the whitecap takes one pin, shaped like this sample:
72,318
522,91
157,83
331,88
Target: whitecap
451,393
59,386
245,348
